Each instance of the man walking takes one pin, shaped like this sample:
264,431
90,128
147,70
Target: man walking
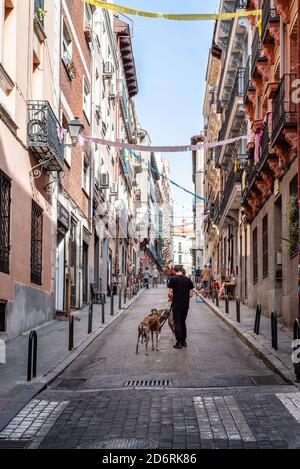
180,292
207,278
146,276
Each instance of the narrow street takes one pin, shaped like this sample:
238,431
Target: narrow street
214,394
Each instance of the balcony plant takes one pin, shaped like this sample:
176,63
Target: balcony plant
293,224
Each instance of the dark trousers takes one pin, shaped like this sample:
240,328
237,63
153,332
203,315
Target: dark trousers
180,316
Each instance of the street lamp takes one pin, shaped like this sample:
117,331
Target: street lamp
75,128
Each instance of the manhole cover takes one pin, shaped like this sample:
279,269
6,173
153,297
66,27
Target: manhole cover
70,383
265,380
120,443
148,383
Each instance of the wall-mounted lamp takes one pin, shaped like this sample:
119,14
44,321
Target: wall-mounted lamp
75,128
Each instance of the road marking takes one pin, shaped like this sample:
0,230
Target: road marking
34,421
220,417
292,403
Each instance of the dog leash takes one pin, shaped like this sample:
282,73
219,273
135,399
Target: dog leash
164,313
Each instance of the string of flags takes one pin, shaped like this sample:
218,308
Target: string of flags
174,16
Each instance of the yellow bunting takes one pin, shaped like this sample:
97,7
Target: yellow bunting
171,16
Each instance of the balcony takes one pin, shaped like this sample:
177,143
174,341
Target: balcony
257,53
269,15
43,135
250,170
284,109
39,12
126,167
217,207
232,108
69,64
232,191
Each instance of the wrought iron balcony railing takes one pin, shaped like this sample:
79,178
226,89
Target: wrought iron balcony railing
217,207
269,14
257,52
265,146
284,107
250,176
44,135
237,90
235,177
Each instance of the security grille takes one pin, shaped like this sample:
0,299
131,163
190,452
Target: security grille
36,243
148,383
5,189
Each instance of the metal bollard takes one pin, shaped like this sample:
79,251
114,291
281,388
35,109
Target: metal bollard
112,304
226,304
213,296
274,330
32,356
238,309
103,310
90,321
120,298
125,296
257,319
71,332
217,300
296,349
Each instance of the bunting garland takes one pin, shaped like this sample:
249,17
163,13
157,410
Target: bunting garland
171,16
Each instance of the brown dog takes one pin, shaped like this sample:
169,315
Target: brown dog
149,325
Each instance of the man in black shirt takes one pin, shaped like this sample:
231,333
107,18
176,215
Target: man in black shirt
180,292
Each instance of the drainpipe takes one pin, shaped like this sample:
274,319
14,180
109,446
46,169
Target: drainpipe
298,149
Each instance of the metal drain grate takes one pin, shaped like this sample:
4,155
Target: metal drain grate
267,380
120,443
14,444
148,383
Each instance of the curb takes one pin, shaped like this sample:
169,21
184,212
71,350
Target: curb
25,392
268,357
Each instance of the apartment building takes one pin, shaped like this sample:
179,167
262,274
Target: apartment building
269,192
29,112
225,118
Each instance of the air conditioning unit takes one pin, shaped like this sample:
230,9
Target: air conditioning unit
108,69
104,180
98,111
114,188
112,94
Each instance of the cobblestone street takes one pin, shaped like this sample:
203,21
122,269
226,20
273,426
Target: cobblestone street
214,394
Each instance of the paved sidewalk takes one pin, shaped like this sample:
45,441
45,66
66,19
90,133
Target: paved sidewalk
279,361
53,355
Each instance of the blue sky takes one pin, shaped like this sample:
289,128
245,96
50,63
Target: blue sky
171,59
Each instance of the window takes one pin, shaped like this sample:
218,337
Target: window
5,188
180,247
36,243
86,100
180,259
255,256
265,247
86,174
66,45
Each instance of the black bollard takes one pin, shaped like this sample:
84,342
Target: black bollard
257,319
112,304
32,356
120,298
90,321
71,332
274,330
226,304
103,310
217,300
238,309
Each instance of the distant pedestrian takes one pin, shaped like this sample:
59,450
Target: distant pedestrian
180,292
155,277
207,277
146,276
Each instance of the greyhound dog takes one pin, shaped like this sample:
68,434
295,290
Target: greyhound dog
153,324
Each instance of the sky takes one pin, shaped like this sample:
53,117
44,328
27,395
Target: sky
171,61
